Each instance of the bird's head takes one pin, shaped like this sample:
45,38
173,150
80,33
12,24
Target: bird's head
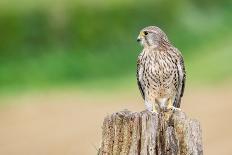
152,36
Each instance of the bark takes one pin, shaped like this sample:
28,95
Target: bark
146,133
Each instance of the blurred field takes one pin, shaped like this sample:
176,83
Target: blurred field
47,43
68,122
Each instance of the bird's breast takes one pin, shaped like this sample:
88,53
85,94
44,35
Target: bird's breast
158,70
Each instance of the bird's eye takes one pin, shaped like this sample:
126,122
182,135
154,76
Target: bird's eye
145,33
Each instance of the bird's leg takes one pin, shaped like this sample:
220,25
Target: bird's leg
170,104
168,110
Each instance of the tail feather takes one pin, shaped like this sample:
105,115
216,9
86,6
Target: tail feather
177,102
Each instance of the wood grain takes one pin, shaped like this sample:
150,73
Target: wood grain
146,133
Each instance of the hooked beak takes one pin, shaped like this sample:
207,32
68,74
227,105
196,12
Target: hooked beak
141,35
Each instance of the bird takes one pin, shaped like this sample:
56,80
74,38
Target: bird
161,71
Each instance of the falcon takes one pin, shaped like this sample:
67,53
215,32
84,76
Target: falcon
160,71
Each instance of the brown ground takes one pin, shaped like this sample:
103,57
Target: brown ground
55,123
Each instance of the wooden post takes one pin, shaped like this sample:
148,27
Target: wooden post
146,133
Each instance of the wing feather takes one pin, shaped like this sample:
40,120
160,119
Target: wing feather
138,79
182,79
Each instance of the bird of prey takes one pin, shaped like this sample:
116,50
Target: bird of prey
160,71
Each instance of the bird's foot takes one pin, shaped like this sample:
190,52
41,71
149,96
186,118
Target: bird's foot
172,108
154,108
175,109
154,111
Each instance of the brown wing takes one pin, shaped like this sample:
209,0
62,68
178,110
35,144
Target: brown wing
137,75
181,86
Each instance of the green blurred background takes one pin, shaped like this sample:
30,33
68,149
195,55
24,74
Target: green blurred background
82,55
57,42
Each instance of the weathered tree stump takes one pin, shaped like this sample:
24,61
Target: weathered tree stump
145,133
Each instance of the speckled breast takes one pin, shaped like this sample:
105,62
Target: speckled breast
159,74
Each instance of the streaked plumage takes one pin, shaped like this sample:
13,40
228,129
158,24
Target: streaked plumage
160,71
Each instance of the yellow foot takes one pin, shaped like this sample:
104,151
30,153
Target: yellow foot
154,108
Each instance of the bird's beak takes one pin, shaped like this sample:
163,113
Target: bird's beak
141,35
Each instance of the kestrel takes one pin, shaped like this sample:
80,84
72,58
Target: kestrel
160,71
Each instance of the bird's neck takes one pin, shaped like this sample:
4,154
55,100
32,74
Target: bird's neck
152,50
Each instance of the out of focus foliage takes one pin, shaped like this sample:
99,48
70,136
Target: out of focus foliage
59,42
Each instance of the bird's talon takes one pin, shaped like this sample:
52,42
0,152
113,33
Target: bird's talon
154,111
176,109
